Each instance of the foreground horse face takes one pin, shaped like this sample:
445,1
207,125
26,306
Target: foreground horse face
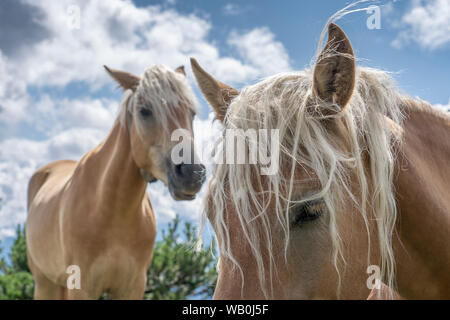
159,103
277,238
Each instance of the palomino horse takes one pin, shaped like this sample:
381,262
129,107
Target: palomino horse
361,194
95,214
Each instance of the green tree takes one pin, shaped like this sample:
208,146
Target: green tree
2,261
16,286
178,271
16,281
19,261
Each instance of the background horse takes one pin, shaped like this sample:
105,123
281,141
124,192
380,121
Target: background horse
95,213
363,181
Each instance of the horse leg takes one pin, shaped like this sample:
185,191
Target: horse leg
79,294
86,292
133,292
44,289
384,293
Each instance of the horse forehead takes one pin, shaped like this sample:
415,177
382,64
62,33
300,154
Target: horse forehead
157,70
272,96
171,93
159,76
182,114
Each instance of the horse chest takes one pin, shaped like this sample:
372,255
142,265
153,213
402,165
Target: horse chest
115,268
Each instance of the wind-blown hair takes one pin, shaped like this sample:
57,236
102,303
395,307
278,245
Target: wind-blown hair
164,92
280,102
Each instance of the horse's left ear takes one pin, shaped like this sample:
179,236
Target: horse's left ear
335,70
218,94
124,79
180,69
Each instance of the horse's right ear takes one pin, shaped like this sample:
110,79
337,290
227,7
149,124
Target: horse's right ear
335,70
218,94
124,79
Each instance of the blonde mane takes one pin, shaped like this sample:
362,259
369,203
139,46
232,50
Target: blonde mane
279,102
162,90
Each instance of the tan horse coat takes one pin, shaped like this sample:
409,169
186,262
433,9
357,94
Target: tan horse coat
95,214
421,184
82,214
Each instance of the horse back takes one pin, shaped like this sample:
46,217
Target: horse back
42,175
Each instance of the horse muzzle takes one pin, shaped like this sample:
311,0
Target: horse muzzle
185,180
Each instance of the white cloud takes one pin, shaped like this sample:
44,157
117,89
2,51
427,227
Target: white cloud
13,96
22,157
13,195
53,116
43,126
123,36
445,108
427,23
259,48
71,143
232,9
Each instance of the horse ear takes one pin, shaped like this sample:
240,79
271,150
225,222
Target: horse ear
180,69
335,70
218,94
124,79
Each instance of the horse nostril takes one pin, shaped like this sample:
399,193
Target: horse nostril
179,170
190,171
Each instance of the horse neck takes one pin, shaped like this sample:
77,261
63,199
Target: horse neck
422,183
111,168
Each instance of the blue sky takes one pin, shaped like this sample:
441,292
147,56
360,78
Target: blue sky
56,101
297,25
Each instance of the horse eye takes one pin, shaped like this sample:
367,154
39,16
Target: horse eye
306,212
145,112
